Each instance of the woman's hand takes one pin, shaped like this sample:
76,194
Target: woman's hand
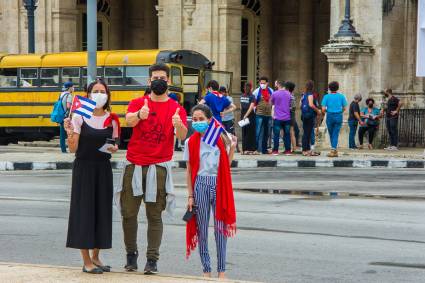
190,203
113,149
68,126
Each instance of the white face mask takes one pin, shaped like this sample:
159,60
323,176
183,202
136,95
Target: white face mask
99,98
263,86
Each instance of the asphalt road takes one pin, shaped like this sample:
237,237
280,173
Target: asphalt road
280,238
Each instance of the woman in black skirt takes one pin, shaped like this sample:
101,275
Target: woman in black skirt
247,111
90,216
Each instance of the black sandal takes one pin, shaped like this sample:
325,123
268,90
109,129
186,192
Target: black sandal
95,270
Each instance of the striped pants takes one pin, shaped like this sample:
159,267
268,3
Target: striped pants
205,197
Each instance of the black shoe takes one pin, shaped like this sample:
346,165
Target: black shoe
95,270
150,267
132,261
105,268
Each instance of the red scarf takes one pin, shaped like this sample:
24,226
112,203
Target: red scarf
265,94
225,203
216,93
108,122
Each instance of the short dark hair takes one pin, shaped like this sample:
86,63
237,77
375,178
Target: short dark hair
370,99
222,89
333,86
107,105
159,67
309,86
204,108
281,83
213,84
290,86
263,78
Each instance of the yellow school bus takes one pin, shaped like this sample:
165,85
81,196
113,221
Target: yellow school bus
30,84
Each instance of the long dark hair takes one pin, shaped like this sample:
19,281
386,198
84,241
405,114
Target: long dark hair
247,89
107,106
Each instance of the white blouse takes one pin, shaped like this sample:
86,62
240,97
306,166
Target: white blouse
96,122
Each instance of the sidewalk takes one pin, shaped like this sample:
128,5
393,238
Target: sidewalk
19,157
16,272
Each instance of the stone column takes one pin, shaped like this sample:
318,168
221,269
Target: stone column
351,63
150,24
116,36
170,21
306,44
266,44
64,14
229,40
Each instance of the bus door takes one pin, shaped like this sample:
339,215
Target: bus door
191,87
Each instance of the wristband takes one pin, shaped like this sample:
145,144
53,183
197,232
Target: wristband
138,115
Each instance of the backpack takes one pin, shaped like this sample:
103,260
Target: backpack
58,112
306,111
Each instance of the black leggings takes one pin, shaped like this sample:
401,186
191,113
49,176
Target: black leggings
371,133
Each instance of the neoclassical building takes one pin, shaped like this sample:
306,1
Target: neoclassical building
281,39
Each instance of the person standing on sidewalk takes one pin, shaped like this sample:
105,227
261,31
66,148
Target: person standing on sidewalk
247,112
281,101
209,186
263,113
66,99
354,120
295,130
370,117
309,111
217,102
147,174
228,117
90,213
392,113
334,104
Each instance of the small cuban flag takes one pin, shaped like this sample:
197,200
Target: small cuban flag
213,133
83,106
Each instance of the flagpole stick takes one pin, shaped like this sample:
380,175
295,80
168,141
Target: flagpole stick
72,104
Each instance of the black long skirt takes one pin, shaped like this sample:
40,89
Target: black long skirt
248,134
90,215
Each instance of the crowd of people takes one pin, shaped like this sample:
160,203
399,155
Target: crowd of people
269,116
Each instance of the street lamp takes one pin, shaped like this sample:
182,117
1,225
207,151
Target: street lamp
31,6
347,29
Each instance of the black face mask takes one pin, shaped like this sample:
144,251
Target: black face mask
370,105
159,87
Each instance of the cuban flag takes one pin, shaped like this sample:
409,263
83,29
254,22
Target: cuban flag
213,133
83,106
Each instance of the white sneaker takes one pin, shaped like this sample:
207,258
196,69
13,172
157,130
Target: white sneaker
312,147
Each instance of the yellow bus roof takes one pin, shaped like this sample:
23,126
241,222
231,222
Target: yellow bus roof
79,59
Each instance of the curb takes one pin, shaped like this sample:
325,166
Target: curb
319,163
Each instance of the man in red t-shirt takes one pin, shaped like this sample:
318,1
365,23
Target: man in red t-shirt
155,120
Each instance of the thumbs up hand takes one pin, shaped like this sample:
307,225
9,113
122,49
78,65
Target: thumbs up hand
144,112
177,121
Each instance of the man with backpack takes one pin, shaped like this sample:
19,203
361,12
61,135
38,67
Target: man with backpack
64,102
309,111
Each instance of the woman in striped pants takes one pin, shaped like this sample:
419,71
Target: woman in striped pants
208,155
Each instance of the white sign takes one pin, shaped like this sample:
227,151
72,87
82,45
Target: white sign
420,59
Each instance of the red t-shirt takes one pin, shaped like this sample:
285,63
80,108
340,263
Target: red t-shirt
152,140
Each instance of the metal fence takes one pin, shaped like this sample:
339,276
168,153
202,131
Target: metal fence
411,129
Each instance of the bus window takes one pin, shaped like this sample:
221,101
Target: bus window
114,75
176,76
137,75
71,74
49,77
28,77
8,77
84,71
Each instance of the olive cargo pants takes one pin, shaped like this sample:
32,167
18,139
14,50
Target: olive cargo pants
130,206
